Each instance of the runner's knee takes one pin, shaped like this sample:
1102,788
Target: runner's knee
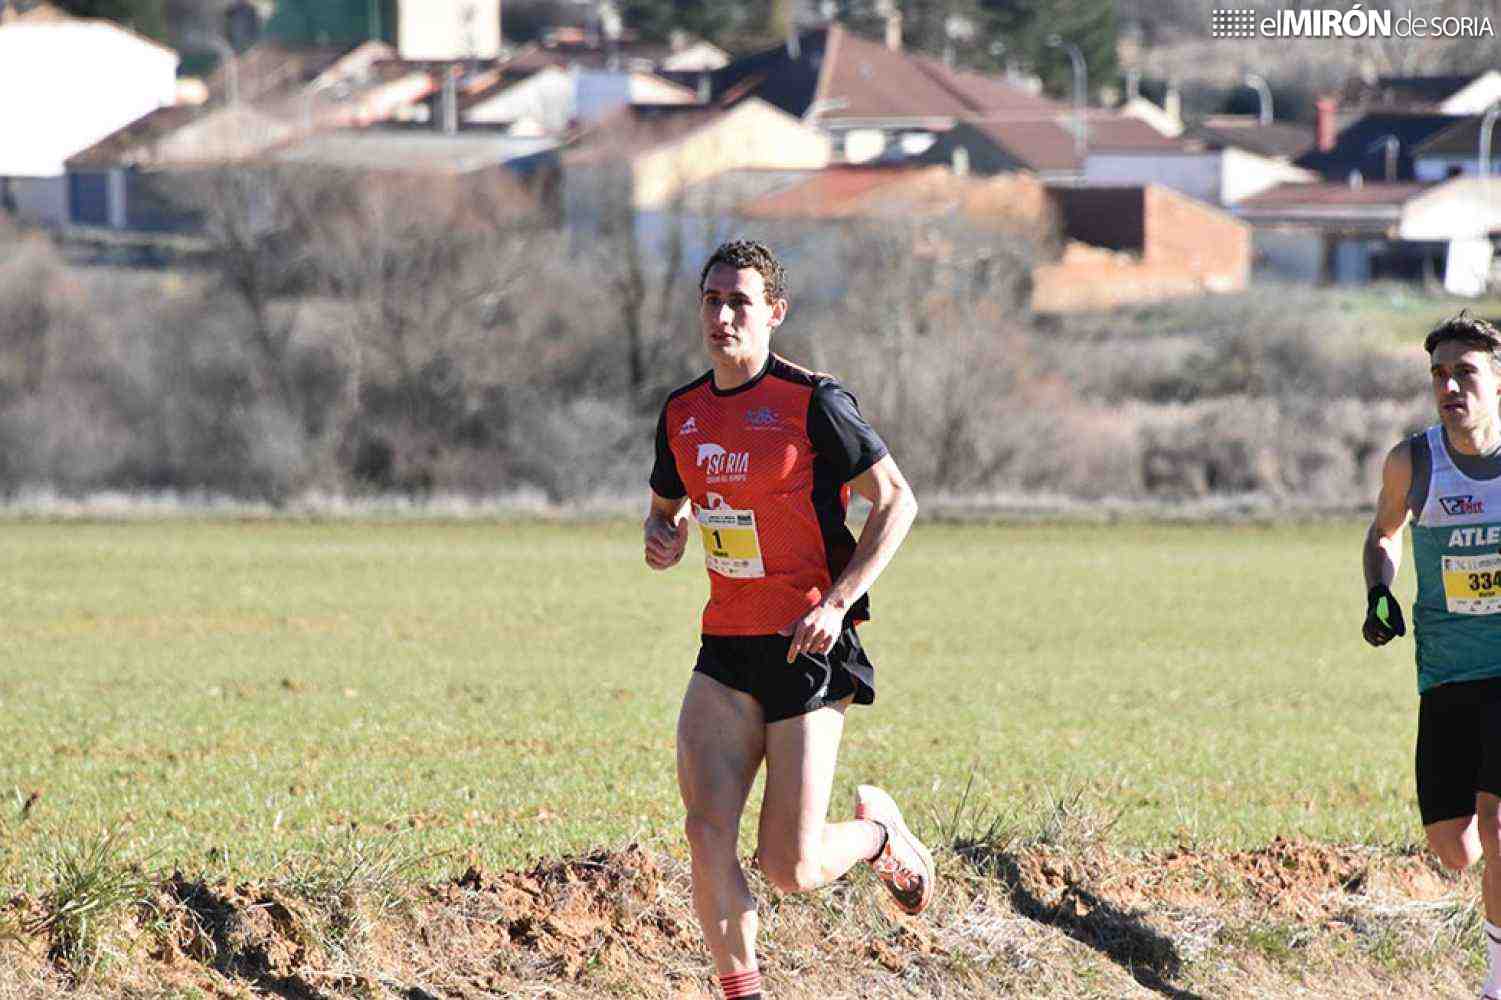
1452,848
1488,827
709,835
789,871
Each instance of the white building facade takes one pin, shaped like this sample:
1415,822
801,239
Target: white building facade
65,85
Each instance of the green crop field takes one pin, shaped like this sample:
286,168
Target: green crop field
228,694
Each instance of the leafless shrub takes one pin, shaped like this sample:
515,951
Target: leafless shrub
387,335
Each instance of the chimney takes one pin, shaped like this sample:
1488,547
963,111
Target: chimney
894,30
794,45
960,161
1133,85
705,88
1393,149
1325,130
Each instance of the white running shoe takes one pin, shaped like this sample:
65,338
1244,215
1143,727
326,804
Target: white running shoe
904,865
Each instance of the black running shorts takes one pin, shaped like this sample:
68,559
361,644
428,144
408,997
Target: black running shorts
1459,747
757,665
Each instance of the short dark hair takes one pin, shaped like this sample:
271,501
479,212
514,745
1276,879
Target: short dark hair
754,255
1471,330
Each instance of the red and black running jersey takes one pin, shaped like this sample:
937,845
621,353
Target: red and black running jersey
767,467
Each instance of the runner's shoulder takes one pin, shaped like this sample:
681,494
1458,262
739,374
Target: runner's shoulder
688,387
1409,449
787,371
1397,470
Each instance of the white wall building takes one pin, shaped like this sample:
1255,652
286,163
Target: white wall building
552,99
448,29
1219,176
65,85
1475,97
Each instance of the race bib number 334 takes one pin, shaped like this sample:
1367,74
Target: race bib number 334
731,545
1472,584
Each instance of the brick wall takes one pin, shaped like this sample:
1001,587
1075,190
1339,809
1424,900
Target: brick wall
1189,249
1184,233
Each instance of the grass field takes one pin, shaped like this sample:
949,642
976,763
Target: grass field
227,694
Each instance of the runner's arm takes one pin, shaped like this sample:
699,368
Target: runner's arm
665,531
893,508
1382,552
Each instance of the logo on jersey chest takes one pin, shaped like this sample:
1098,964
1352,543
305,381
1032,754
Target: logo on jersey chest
721,466
762,418
690,426
1456,506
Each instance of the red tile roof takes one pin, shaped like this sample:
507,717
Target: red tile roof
1047,144
636,128
121,147
861,78
832,193
1041,145
907,191
1284,139
1111,133
1334,194
838,74
988,95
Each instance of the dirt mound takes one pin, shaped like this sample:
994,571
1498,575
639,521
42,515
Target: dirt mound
1291,918
605,915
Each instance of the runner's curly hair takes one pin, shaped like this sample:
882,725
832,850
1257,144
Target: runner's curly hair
754,255
1470,330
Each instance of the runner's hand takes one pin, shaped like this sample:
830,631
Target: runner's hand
815,632
665,541
1383,617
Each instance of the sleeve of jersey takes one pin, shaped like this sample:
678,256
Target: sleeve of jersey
839,433
665,481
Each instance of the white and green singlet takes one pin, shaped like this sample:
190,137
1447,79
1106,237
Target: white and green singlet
1456,546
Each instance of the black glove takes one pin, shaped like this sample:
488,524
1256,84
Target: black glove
1383,617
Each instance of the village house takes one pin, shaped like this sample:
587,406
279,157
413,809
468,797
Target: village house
65,84
1102,247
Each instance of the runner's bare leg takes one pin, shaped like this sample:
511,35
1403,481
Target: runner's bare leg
721,739
796,848
1488,827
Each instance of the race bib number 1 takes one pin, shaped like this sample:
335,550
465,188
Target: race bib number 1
731,545
1472,584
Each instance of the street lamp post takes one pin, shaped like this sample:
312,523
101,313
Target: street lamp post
1484,152
1486,125
1264,93
1081,86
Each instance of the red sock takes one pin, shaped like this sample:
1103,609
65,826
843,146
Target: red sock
741,985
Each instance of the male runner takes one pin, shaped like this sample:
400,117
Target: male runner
1448,480
766,452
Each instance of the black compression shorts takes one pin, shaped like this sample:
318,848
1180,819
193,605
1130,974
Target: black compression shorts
757,665
1459,747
